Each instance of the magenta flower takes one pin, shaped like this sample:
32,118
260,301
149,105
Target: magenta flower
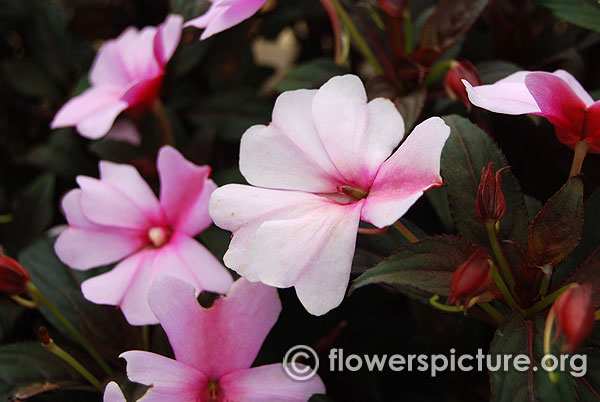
556,96
118,216
127,73
323,166
223,14
112,393
214,348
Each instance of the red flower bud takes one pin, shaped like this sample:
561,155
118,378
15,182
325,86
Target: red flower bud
473,278
490,204
575,314
13,277
453,85
393,8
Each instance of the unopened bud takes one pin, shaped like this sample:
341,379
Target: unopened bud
393,8
472,279
574,310
453,85
13,277
44,335
490,204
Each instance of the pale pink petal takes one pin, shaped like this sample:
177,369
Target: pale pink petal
508,95
268,383
223,15
127,180
125,131
184,191
557,101
411,170
227,336
108,67
575,86
206,269
143,63
341,116
167,38
92,112
170,380
71,206
104,204
134,304
313,253
242,209
112,393
88,248
110,288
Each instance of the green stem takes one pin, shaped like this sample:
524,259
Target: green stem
547,342
36,294
408,32
163,119
26,302
495,314
544,285
547,301
6,218
449,309
406,232
437,71
503,289
581,150
506,272
60,353
597,317
357,38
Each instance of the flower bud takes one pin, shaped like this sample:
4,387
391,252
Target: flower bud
490,204
473,278
13,277
574,310
393,8
453,81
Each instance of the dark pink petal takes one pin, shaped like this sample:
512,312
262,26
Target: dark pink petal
227,336
557,101
170,380
592,128
313,253
184,191
167,38
411,170
575,86
268,383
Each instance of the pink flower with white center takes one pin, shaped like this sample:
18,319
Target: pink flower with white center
223,14
320,167
112,393
556,96
127,74
118,217
215,347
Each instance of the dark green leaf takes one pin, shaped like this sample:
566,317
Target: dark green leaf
583,13
427,265
410,107
556,230
534,206
30,79
467,152
517,336
588,387
311,74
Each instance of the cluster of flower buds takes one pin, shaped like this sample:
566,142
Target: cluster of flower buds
453,85
490,204
13,277
472,279
574,312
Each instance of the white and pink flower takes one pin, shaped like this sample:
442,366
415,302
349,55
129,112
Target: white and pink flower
118,217
320,167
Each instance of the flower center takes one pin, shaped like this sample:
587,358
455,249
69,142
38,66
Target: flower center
354,192
158,236
213,391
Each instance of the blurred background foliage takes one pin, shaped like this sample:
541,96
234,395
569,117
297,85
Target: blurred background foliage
214,90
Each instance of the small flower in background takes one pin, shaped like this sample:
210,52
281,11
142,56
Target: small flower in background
556,96
13,277
574,312
323,165
112,393
118,217
490,204
453,85
215,347
127,74
223,14
472,279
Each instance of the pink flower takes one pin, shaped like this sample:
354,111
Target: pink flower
214,348
323,166
223,14
127,73
112,393
556,96
118,217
